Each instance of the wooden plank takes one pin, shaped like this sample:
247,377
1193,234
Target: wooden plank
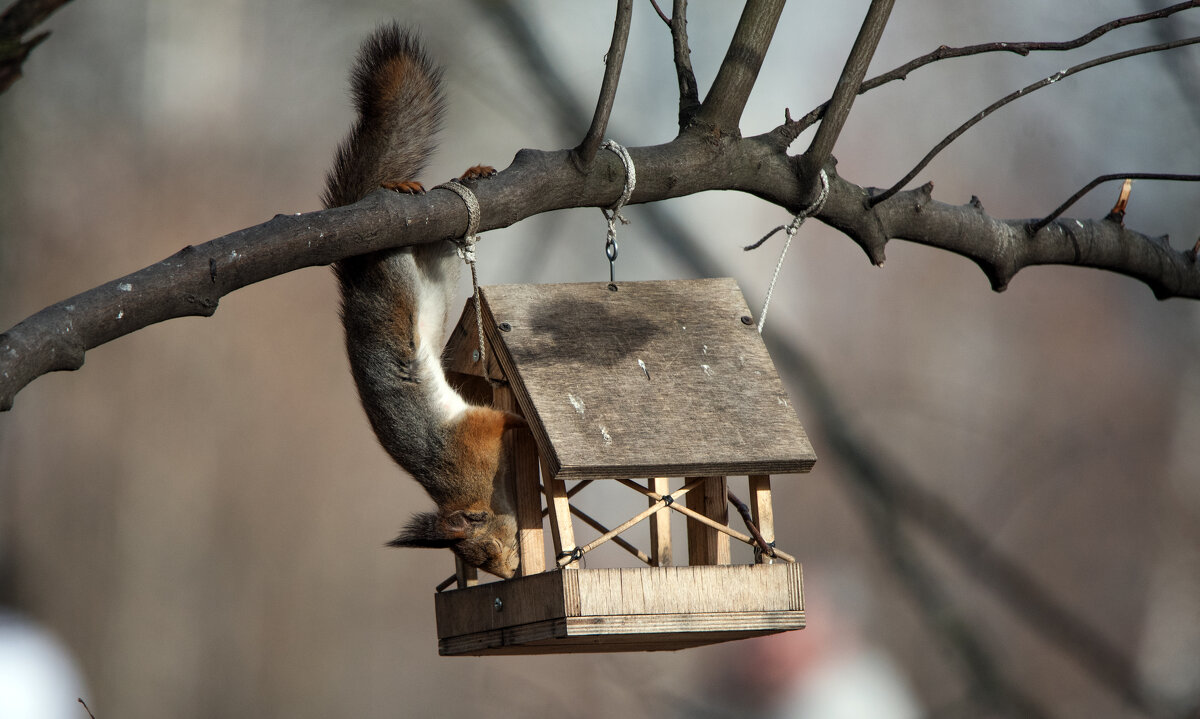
464,574
660,526
562,531
522,457
761,512
656,379
647,609
621,634
461,355
687,590
705,544
521,601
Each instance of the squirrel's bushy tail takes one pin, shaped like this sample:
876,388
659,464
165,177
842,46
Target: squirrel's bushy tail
397,92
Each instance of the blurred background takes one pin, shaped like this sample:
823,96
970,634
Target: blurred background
1003,518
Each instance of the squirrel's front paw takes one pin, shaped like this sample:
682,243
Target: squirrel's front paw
478,171
406,370
411,187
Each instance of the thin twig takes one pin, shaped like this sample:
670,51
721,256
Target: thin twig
722,108
1023,92
585,153
661,14
846,90
85,707
751,527
1019,48
689,91
1033,227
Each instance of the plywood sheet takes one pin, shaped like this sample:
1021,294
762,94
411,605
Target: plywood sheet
641,609
656,379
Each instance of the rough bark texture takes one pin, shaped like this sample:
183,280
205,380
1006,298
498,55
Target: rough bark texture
192,281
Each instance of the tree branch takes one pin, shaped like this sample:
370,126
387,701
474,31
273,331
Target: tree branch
846,89
17,20
193,280
722,107
689,91
1034,227
1023,92
585,153
1019,48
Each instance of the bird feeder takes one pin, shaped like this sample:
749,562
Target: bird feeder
667,389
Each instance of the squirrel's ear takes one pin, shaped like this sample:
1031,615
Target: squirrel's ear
426,530
458,524
514,421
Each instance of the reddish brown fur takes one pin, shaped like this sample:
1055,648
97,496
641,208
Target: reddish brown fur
411,187
477,171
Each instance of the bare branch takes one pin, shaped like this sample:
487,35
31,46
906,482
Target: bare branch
15,22
722,107
192,281
759,540
1023,92
585,153
689,91
662,15
847,89
1019,48
1034,227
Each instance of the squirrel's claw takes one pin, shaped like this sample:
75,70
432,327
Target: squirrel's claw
411,187
478,171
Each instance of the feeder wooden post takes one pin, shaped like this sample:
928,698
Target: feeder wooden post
464,574
562,531
705,544
760,510
660,526
522,458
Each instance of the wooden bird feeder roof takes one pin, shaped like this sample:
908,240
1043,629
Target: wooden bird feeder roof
652,379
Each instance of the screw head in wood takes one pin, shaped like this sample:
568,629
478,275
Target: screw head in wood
747,320
498,604
504,327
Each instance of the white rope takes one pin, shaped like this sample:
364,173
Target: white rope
612,214
466,250
791,229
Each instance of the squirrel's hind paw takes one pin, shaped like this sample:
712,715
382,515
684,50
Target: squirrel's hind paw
410,187
478,171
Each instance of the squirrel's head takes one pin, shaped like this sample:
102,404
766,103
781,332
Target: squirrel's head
480,537
475,517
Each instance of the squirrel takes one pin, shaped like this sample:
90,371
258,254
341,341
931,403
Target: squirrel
395,306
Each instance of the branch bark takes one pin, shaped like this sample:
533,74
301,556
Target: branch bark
1024,92
192,281
722,107
846,89
585,153
689,91
1018,48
